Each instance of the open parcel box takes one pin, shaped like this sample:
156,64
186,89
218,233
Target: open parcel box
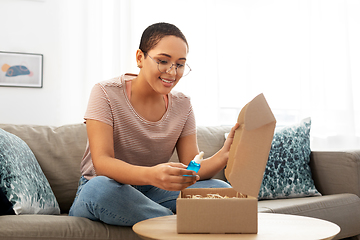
249,152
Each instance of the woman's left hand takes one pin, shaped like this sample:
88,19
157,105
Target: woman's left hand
229,140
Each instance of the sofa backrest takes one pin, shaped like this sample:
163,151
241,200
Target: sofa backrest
59,151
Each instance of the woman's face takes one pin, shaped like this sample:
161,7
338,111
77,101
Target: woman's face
169,49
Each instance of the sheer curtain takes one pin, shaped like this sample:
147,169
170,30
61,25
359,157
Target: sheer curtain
303,55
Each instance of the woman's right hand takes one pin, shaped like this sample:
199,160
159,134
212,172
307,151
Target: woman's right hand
170,176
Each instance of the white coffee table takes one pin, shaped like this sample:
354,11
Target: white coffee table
270,226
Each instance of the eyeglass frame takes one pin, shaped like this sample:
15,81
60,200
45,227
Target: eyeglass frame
172,64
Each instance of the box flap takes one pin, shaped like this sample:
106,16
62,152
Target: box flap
250,149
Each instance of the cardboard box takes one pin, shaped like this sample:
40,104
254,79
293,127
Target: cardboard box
245,169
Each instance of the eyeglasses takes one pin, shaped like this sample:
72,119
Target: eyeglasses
166,66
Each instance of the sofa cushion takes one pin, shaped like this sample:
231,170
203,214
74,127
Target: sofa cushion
287,173
60,227
22,180
59,151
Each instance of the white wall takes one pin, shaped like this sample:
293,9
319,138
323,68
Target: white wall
34,26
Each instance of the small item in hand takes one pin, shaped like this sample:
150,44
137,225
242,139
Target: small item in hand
194,165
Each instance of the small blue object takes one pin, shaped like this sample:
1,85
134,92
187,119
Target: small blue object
193,166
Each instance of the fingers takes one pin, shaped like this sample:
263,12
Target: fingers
177,165
183,175
178,183
229,140
179,169
185,181
232,131
174,176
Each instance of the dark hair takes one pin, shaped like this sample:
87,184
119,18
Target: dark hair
155,32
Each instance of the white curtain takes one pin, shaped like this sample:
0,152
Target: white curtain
303,55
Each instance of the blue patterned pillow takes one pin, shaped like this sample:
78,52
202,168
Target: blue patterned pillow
22,180
287,173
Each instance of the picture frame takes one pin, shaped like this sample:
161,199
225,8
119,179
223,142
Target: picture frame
21,69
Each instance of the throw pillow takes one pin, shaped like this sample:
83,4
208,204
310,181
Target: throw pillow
287,173
22,180
5,205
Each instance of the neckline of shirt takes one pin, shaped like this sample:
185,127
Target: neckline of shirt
128,77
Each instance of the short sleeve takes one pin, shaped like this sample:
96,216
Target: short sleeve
99,107
190,124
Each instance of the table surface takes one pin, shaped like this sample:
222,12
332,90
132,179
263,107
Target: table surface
270,226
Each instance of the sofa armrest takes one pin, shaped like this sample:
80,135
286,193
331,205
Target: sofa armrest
336,172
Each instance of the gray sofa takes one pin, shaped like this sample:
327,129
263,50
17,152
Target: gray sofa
59,151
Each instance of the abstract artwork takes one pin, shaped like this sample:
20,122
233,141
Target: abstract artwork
21,69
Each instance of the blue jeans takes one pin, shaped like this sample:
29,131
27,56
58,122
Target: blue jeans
104,199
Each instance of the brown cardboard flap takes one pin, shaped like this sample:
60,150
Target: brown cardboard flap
250,149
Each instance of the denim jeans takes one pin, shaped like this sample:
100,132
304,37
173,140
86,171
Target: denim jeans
104,199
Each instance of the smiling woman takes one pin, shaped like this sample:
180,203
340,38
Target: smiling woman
166,56
134,123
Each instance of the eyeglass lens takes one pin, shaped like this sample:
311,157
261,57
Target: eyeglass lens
168,66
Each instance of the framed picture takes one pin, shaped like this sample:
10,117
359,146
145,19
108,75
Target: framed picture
21,69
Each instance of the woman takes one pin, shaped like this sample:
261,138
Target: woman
134,123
